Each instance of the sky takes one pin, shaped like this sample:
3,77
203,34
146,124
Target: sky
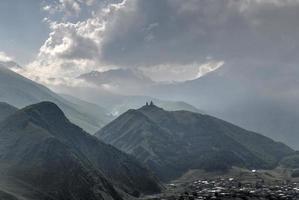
168,40
22,29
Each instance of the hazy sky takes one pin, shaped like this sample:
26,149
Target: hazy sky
22,29
177,40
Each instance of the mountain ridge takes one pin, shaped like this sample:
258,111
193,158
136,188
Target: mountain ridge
171,142
6,110
20,92
44,136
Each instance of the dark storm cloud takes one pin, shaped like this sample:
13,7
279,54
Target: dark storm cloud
159,32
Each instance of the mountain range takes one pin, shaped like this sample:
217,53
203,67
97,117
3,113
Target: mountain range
121,89
245,104
227,93
43,156
171,143
87,108
20,91
221,93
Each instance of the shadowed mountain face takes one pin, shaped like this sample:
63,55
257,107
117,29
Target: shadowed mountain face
19,91
44,156
170,143
6,110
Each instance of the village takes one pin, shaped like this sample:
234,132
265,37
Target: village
231,189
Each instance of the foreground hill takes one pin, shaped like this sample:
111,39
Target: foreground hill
170,143
20,91
44,156
6,110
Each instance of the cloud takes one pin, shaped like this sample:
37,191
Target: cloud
4,57
69,7
208,67
189,31
71,49
71,41
171,39
72,10
88,2
253,36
